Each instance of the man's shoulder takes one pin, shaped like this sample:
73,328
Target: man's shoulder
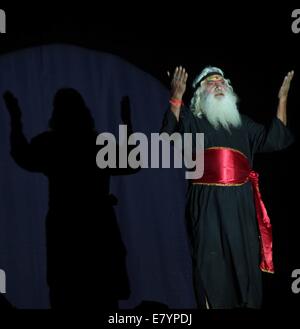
246,120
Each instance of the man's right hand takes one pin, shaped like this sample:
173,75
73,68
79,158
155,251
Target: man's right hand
12,105
178,83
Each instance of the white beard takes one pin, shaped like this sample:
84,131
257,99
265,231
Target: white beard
221,111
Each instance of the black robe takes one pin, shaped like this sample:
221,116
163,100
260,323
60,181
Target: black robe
222,220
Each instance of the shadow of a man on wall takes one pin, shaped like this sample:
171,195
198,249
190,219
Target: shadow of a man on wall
85,253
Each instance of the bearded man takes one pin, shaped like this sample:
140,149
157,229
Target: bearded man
230,231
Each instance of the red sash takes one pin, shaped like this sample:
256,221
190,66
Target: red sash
229,167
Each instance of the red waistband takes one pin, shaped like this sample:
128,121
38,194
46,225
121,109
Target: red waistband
224,166
229,167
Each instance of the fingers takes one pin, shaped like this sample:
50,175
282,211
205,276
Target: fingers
180,74
288,78
290,75
284,90
287,81
185,76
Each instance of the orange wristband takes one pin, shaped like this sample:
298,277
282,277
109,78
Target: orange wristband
176,101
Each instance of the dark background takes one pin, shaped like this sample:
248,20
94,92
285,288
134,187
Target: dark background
255,46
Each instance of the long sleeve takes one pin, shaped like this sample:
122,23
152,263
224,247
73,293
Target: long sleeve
171,125
275,137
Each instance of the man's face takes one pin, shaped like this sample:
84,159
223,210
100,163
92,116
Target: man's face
216,85
218,102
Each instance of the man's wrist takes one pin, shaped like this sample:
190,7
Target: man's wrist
283,100
176,96
176,102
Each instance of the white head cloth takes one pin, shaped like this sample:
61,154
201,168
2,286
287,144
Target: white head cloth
207,71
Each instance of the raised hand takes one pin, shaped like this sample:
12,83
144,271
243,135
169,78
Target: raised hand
178,83
282,95
284,89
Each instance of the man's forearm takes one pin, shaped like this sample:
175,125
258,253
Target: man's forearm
175,108
281,111
176,111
